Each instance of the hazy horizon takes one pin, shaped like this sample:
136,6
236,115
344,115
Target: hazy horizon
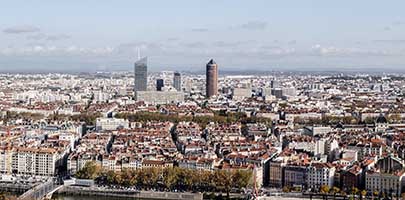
222,72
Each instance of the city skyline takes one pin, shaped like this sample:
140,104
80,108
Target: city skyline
202,99
288,35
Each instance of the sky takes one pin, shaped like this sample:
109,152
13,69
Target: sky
88,35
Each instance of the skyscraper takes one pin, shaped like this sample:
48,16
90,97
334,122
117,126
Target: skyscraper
141,75
177,81
159,84
211,79
274,84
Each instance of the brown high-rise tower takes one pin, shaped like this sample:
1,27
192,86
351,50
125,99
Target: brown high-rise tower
211,84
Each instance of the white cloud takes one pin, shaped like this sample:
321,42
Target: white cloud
252,25
39,36
46,50
21,29
57,37
199,30
194,45
238,52
42,36
337,51
391,41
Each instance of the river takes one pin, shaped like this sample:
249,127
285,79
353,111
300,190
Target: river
78,197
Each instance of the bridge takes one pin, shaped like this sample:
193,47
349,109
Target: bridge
49,194
40,191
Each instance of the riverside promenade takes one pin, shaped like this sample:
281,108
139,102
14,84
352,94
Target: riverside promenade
96,191
17,188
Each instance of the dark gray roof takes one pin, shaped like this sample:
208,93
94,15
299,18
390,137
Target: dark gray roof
211,62
381,119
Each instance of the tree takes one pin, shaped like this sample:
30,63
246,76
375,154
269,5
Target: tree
3,196
241,178
91,170
151,177
170,177
6,196
200,120
286,189
335,190
88,118
355,190
369,120
187,175
363,193
128,177
223,181
325,189
395,117
207,180
282,105
376,193
140,177
118,179
198,179
110,177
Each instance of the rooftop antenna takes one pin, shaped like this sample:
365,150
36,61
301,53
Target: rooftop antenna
139,53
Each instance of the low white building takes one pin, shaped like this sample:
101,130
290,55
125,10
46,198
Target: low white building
325,146
241,93
320,174
5,159
159,97
38,162
378,181
111,124
318,130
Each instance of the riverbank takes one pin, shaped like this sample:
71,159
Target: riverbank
96,191
285,198
15,188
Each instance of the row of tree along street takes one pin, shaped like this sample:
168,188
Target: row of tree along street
201,120
170,179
